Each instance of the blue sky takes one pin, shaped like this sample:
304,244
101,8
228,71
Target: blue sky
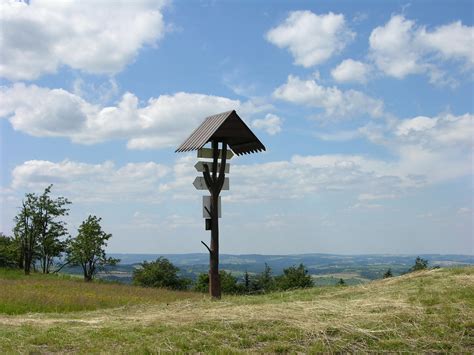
365,109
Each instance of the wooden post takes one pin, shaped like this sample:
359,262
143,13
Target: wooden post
214,181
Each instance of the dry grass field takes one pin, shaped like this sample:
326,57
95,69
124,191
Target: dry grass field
428,311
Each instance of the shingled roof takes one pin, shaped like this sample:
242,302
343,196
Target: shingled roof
225,126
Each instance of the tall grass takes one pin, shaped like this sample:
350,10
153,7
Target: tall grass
64,293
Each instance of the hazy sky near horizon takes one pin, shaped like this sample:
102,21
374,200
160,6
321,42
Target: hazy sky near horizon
366,110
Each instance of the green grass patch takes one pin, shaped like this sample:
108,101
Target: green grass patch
35,293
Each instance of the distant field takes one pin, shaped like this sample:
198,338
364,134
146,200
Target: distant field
429,311
63,293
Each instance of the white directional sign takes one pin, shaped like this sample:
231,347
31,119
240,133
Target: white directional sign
200,184
200,167
207,153
206,207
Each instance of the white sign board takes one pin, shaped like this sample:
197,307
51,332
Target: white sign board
200,167
200,184
206,204
207,153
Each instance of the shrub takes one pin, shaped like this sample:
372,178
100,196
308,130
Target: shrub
159,273
420,264
8,251
229,283
294,277
388,274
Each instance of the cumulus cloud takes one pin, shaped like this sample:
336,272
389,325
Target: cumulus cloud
424,144
335,102
92,182
401,47
270,124
351,71
444,131
416,157
39,36
311,38
162,122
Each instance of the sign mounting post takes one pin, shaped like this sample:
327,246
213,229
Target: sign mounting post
230,131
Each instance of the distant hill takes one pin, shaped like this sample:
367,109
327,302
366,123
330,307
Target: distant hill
424,312
326,269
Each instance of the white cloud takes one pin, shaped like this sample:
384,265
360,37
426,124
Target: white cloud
270,124
417,153
39,36
43,112
351,71
92,182
163,122
400,48
415,124
443,131
336,103
394,49
312,39
452,41
425,144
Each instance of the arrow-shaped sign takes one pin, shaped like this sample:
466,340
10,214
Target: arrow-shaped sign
200,184
200,167
207,153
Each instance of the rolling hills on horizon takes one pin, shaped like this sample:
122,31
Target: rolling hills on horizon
326,269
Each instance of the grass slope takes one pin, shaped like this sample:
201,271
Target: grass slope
429,311
65,293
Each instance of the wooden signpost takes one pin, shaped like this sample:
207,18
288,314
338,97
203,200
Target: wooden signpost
230,131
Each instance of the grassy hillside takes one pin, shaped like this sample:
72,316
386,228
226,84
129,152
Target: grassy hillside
426,311
65,293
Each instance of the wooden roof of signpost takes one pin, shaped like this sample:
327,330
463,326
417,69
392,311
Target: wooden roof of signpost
225,126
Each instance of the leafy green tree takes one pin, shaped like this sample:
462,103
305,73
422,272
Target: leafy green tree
388,274
7,251
38,230
229,283
26,231
420,264
341,282
294,277
159,273
50,229
87,249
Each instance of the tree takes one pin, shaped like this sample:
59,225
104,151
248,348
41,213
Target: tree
38,230
388,274
420,264
26,231
7,251
247,281
341,282
294,277
87,249
159,273
264,282
50,230
229,283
